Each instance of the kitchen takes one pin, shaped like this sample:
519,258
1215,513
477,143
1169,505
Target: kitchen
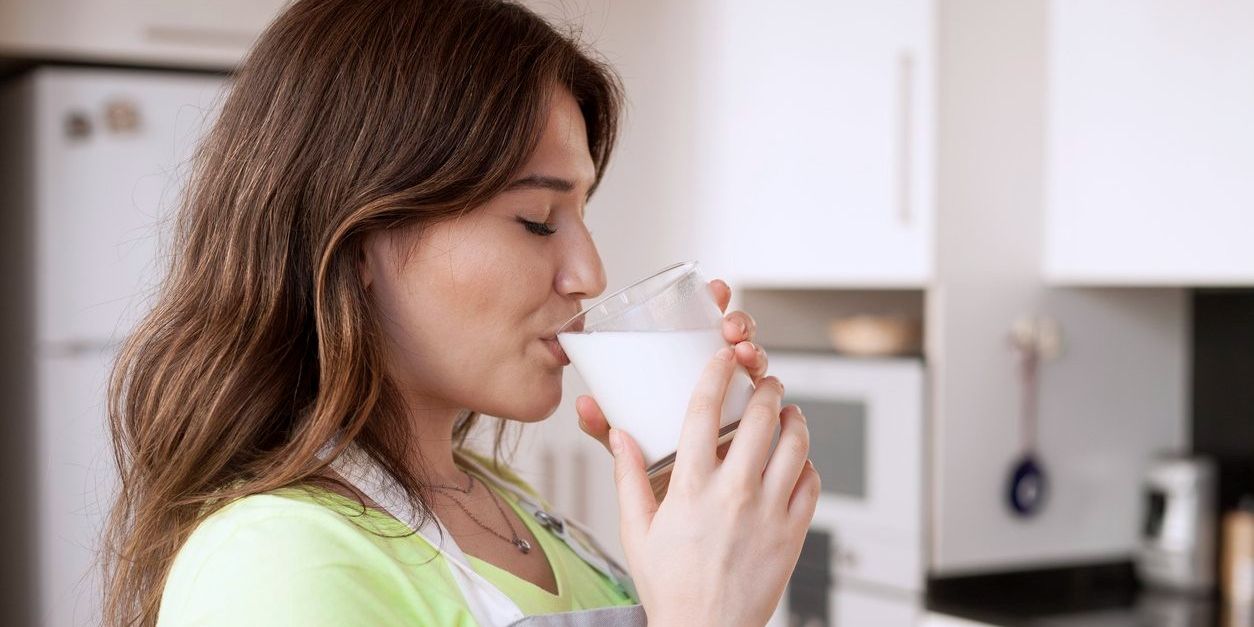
1019,222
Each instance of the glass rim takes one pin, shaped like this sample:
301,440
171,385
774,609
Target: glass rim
692,266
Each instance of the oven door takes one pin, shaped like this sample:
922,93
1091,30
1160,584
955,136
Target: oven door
867,442
818,598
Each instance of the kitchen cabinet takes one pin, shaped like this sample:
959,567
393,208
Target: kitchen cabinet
1149,143
816,162
853,607
857,606
212,34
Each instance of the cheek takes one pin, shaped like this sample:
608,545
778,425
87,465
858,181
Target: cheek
502,280
469,318
464,313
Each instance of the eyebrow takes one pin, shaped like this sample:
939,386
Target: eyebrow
539,181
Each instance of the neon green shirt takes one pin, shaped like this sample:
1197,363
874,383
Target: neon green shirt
307,556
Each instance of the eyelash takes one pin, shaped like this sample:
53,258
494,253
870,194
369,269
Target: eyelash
538,228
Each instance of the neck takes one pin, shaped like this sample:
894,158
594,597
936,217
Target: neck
431,453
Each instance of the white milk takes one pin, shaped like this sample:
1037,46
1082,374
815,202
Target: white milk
643,380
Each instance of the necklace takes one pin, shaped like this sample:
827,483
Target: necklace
470,484
521,544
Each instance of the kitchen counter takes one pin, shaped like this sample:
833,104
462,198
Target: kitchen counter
1149,610
1102,595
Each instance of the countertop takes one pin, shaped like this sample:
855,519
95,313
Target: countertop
1092,595
1147,610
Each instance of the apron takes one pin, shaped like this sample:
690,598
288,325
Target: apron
487,604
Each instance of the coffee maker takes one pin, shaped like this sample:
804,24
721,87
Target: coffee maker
1179,527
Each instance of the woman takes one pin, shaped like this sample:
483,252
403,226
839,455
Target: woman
382,232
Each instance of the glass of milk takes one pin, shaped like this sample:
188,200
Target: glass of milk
641,351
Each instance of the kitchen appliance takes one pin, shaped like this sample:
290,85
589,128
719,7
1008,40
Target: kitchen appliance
1178,535
93,165
863,562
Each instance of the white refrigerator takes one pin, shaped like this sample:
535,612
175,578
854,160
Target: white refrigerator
92,164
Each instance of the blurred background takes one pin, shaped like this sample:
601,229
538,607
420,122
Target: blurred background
999,251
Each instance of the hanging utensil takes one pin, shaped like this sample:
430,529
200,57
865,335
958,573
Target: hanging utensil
1033,339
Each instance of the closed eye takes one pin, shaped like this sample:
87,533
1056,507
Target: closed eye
538,228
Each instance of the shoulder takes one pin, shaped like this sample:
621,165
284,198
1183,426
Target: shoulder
303,526
296,557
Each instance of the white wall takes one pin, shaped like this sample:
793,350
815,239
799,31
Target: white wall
1118,392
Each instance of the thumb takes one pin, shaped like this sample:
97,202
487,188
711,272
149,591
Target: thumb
636,502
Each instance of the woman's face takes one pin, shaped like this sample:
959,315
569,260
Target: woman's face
467,314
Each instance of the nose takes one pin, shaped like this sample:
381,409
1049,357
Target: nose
581,274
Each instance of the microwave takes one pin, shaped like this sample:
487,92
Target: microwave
864,561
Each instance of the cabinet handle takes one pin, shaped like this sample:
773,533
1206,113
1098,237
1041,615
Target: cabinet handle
905,145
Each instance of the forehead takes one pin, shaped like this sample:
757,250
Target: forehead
562,150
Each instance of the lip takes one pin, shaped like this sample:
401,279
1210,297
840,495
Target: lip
556,350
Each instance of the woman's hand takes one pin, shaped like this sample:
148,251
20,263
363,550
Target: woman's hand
738,329
719,549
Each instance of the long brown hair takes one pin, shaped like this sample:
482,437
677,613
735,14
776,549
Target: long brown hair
348,116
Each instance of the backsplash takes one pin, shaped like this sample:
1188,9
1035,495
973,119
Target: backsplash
1223,387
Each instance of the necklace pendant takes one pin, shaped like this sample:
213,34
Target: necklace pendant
523,545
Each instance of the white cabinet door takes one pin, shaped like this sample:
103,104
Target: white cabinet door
856,607
1150,142
112,150
209,33
816,164
867,440
76,483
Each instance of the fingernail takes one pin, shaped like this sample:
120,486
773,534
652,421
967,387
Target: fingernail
744,328
724,354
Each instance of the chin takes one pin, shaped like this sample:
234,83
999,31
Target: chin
537,400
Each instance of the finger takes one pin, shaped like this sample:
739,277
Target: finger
699,435
592,420
721,292
753,358
752,444
790,455
635,496
739,326
805,496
